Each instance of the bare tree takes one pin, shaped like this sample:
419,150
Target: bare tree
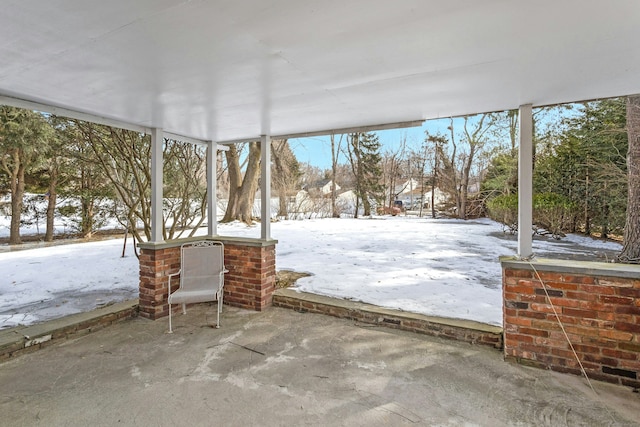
286,173
335,152
242,188
124,156
475,136
438,141
392,161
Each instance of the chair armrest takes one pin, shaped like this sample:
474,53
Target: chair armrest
172,275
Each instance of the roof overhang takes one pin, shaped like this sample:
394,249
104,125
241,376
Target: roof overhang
231,70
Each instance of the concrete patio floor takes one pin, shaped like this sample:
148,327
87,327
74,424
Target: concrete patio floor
280,367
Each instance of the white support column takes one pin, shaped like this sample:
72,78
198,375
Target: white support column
212,200
525,182
157,142
265,187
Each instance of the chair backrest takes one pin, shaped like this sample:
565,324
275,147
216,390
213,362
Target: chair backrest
202,265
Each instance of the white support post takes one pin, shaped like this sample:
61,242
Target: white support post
157,141
265,187
212,201
525,182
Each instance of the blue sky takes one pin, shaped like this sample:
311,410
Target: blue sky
317,150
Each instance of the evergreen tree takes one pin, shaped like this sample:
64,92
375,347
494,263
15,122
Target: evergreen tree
365,158
587,166
24,136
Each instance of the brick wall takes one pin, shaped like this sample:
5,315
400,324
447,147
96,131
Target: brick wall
155,266
598,304
456,329
250,282
25,339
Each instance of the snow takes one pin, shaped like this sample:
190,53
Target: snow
441,267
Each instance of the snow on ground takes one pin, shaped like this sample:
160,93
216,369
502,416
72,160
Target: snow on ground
441,267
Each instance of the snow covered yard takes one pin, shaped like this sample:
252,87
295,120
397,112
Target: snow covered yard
439,267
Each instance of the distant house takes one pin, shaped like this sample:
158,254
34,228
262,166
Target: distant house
412,200
323,187
407,187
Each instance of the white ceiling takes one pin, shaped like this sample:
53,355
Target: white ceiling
232,69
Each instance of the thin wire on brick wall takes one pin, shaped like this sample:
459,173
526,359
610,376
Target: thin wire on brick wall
555,312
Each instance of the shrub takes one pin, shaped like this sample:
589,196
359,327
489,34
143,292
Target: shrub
504,209
552,213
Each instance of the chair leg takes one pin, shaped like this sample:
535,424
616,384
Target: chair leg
219,309
170,330
184,308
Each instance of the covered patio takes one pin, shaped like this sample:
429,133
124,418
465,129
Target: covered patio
280,367
221,72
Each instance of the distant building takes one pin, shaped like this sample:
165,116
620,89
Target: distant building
324,187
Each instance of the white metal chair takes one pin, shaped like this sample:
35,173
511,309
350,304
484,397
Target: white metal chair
201,276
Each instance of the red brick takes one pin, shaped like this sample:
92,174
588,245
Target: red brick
564,302
620,354
582,296
586,349
541,299
544,308
562,352
594,358
535,349
616,300
579,313
596,306
601,290
628,346
616,282
517,339
518,273
519,289
546,325
517,321
562,286
532,314
631,310
629,327
549,276
634,293
630,365
510,312
534,332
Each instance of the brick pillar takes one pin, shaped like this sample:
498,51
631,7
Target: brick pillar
155,266
249,284
598,305
251,280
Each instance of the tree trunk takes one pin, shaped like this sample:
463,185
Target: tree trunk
464,186
434,180
242,191
51,205
366,205
280,175
235,181
86,204
17,194
631,246
334,171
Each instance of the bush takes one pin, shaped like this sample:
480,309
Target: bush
504,209
552,213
